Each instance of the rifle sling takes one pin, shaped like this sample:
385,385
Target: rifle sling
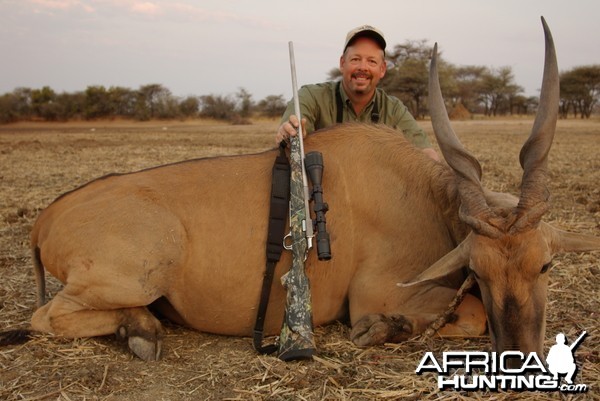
278,211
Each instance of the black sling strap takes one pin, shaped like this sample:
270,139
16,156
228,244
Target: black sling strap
340,107
278,211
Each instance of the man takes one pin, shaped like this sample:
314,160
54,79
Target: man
560,359
355,97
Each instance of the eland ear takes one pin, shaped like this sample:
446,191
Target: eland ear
565,241
452,261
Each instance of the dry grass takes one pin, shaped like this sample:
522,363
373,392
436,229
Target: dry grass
39,162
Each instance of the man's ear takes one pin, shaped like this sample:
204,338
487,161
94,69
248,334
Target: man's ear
383,68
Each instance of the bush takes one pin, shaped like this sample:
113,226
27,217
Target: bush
218,107
272,106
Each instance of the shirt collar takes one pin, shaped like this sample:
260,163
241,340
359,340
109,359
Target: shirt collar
347,101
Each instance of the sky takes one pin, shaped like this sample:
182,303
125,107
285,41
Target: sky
219,46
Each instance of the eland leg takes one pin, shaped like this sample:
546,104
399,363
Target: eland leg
377,328
68,316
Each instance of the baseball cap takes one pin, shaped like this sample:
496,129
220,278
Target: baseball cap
365,31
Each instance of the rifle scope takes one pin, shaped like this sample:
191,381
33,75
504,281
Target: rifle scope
313,162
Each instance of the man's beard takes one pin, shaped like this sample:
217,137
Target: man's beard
362,90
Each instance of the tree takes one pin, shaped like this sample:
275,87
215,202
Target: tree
189,106
468,83
44,105
7,109
122,101
97,103
246,104
407,75
497,87
272,106
155,101
520,104
15,106
334,74
580,90
71,105
219,107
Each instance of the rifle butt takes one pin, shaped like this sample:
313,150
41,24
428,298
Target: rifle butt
296,340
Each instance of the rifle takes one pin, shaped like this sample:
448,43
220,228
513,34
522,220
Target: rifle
576,343
296,340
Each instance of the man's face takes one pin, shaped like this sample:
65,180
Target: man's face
362,66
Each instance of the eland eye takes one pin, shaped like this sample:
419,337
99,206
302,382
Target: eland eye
545,267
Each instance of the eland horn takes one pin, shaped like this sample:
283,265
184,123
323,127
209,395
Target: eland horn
533,201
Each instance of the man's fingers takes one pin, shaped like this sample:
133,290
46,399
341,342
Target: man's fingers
289,129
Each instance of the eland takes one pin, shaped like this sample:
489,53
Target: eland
187,240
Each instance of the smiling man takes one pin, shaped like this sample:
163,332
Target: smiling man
355,98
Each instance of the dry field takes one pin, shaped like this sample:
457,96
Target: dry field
39,162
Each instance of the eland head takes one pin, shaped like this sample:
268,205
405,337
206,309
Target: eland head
509,249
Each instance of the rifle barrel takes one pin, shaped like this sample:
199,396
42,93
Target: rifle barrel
307,225
576,342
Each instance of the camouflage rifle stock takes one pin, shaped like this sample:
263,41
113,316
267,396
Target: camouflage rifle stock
296,340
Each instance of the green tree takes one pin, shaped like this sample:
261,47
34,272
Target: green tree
520,104
71,105
43,104
122,101
8,109
155,101
580,90
97,104
189,106
468,82
16,105
407,76
220,107
497,87
334,74
272,106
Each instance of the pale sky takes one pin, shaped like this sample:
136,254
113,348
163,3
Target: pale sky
218,46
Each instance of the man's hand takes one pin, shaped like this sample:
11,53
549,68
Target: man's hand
289,129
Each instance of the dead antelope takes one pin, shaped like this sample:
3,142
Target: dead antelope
188,239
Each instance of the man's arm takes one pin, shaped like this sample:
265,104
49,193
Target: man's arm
413,132
309,109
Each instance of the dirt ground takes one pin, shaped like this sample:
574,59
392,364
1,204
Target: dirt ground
38,162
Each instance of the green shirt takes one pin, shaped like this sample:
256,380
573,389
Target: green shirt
318,106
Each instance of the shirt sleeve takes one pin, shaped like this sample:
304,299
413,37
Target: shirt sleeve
308,108
407,124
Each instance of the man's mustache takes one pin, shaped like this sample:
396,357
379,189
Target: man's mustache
362,75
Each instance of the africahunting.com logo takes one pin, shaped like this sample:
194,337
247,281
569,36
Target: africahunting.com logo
474,370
